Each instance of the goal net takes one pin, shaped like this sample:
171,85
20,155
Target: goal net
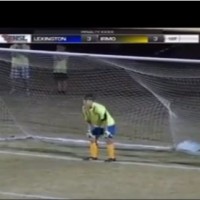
155,101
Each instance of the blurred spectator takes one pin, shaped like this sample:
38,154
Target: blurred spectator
20,67
60,70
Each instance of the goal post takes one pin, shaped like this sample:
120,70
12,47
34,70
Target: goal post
155,101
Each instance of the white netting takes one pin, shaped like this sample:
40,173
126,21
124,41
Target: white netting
155,101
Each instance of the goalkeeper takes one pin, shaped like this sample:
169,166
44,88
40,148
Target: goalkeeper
100,123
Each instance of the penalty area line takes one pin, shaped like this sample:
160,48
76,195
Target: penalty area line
28,195
136,163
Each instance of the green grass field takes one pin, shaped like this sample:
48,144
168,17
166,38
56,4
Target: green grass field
57,177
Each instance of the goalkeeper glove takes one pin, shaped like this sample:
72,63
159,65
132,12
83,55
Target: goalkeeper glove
89,134
107,134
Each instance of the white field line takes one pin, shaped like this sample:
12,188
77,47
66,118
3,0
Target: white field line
50,156
28,195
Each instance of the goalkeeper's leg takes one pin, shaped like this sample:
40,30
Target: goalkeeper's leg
94,148
110,132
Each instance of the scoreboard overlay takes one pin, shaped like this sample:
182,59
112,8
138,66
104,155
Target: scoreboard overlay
109,38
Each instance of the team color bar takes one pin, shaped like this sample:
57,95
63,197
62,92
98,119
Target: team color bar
132,39
123,39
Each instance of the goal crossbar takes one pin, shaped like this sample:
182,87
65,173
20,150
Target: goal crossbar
136,58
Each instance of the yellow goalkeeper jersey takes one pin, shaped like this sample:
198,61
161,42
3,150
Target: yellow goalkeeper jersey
98,115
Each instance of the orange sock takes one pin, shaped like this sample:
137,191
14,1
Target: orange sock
94,150
111,150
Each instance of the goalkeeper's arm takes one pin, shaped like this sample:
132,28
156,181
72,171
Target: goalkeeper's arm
89,131
103,122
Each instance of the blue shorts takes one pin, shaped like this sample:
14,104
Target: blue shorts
98,131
